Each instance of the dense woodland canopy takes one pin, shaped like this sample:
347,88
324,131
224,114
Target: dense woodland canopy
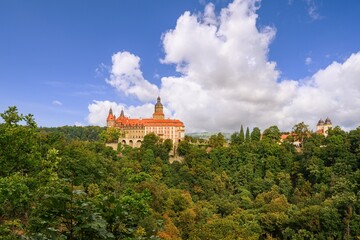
65,183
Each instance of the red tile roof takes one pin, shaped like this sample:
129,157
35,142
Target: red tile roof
149,122
110,117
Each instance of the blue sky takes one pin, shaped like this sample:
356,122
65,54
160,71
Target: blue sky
56,59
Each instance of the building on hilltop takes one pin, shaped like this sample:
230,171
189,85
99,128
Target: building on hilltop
323,127
133,130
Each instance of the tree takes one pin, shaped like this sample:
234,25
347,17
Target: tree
302,131
241,135
217,140
272,133
247,135
183,148
14,195
255,134
168,145
110,135
354,138
65,211
20,148
150,142
234,139
86,133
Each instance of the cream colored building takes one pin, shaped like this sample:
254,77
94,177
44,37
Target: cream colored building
323,127
133,130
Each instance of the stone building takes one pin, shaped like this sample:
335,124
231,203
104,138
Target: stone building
133,130
323,127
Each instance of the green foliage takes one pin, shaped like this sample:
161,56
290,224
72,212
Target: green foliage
272,134
110,135
183,148
159,149
65,184
241,135
302,131
87,133
67,211
255,134
247,135
217,140
234,139
19,151
15,195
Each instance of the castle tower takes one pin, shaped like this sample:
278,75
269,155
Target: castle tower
158,114
327,125
323,127
110,119
320,126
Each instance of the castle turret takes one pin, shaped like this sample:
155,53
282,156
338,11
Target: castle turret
320,123
328,121
110,119
158,114
323,127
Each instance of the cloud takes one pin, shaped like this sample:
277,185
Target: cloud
57,103
78,124
225,79
333,91
308,61
312,10
127,77
99,110
101,70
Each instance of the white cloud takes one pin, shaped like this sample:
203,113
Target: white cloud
127,77
333,91
99,110
57,103
78,124
101,70
308,61
227,80
312,10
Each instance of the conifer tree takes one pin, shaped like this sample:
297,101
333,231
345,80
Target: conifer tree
247,135
241,134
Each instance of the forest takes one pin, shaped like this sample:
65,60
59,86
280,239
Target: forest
64,183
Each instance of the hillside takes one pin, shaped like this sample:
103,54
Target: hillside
58,187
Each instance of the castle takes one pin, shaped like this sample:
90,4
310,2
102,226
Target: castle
133,130
323,127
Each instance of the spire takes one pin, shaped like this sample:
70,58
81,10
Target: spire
158,114
327,121
122,113
110,119
158,103
320,123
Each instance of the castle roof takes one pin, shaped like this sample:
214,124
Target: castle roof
321,122
327,121
157,120
158,103
110,117
148,122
